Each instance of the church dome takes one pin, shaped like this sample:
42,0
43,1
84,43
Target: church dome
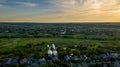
55,52
50,52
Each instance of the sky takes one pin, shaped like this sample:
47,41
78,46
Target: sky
59,10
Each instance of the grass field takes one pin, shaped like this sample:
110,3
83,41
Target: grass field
9,47
10,44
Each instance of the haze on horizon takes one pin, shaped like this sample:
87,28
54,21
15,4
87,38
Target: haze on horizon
59,10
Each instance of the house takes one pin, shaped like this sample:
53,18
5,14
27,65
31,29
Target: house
23,61
15,60
105,65
79,65
75,58
34,64
42,61
54,58
8,61
85,64
114,55
66,58
116,64
30,60
72,65
83,57
104,56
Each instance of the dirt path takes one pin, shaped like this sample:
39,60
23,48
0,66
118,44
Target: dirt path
13,42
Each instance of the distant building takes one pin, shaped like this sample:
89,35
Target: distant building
63,32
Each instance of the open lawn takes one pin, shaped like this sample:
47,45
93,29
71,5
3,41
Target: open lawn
10,44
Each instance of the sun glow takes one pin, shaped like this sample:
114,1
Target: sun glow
65,11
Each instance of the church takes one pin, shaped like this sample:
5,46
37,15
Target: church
52,52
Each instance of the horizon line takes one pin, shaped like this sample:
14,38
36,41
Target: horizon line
61,22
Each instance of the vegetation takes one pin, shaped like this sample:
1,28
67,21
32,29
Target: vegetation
24,40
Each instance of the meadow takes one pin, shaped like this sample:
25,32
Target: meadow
8,44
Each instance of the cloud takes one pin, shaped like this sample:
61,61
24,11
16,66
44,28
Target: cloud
2,1
87,6
28,4
74,10
1,5
93,4
85,10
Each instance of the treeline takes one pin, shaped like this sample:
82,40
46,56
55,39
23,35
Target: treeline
77,36
26,30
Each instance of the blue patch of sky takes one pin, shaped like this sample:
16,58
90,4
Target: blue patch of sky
44,7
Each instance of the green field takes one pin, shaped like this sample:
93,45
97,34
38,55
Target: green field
7,44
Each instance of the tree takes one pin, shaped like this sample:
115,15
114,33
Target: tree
76,52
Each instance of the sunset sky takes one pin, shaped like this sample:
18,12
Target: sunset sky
59,10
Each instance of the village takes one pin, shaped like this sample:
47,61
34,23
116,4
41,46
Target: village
59,45
70,60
